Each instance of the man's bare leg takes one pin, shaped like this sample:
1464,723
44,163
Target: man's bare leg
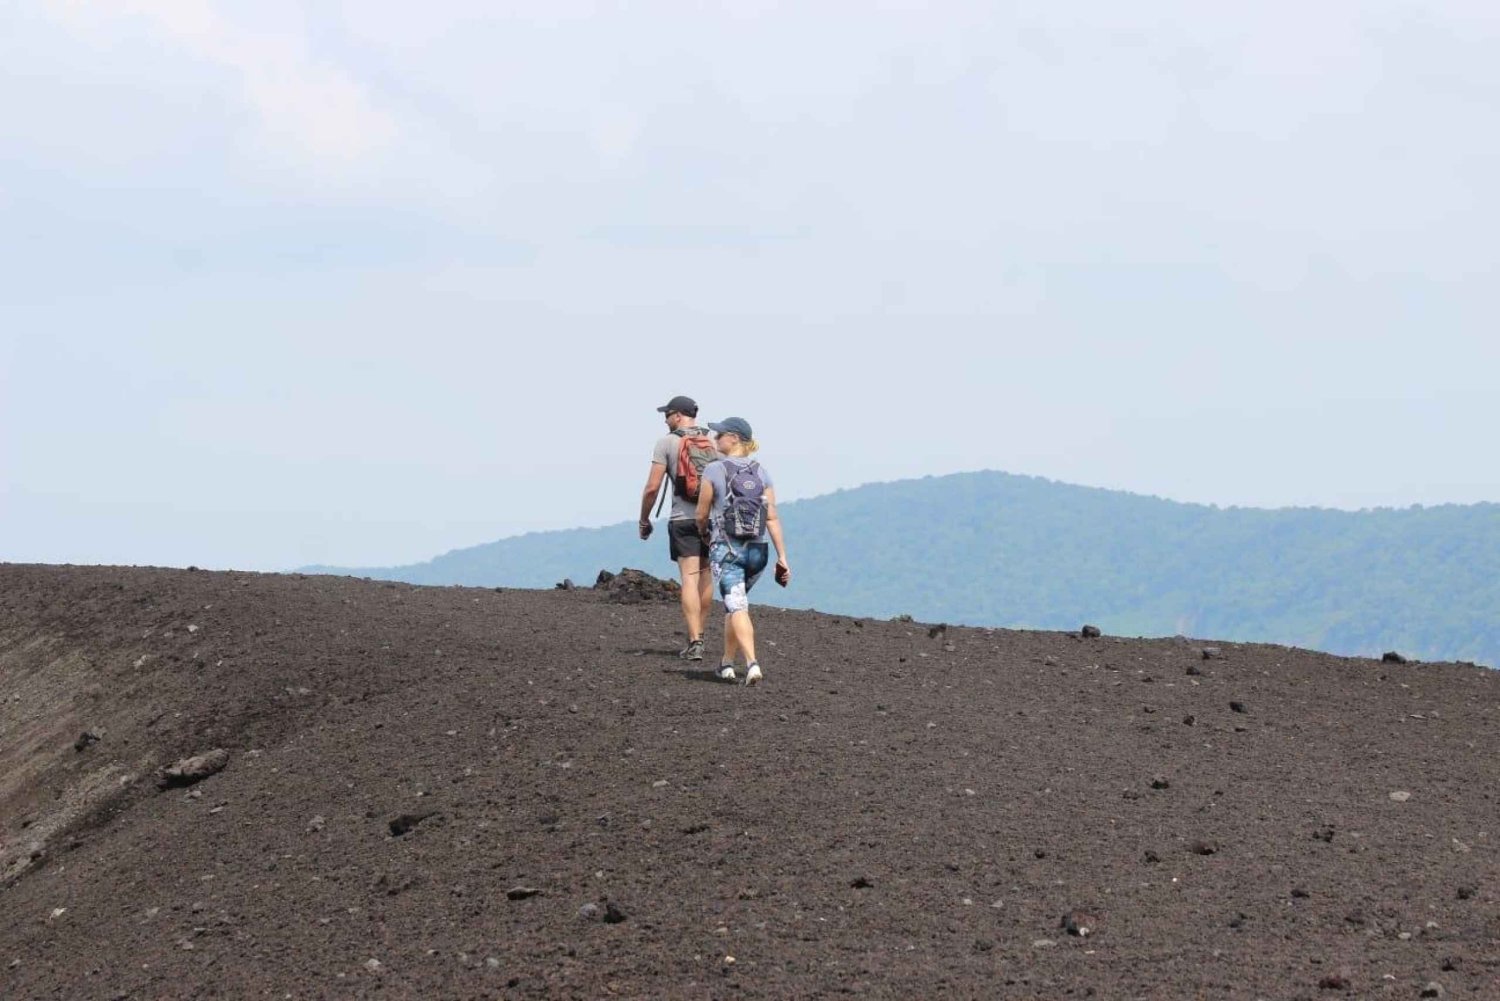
692,570
705,595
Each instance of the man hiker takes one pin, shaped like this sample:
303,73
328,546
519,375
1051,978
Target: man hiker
680,457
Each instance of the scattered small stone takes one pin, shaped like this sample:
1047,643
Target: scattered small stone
983,945
1194,670
193,769
1334,982
317,823
1151,857
407,822
1160,783
192,629
1043,943
1466,892
860,883
85,740
1078,924
1189,720
1298,893
937,630
1238,707
1323,834
1433,990
375,966
1392,657
590,912
1090,632
659,784
1400,796
522,893
566,584
492,963
1202,847
1049,661
1210,653
1238,921
949,648
612,914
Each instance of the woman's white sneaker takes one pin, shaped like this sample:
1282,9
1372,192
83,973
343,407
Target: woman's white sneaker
752,675
726,672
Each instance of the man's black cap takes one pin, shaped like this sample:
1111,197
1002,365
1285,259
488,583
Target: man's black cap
680,405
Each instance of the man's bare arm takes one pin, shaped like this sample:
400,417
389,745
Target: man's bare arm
648,496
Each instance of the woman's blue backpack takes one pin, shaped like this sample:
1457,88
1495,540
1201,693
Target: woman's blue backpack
745,505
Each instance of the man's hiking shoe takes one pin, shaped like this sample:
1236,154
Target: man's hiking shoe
726,672
693,651
752,675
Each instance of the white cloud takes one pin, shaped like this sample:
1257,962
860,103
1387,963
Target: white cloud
307,111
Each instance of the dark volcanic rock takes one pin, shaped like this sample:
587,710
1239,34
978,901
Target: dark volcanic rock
1238,707
1210,653
1079,924
1090,632
1392,657
85,740
633,587
407,822
102,882
193,769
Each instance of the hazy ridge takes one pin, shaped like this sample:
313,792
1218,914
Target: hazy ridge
993,548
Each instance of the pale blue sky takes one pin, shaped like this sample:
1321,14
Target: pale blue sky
351,283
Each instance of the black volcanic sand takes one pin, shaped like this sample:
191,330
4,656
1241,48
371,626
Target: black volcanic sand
891,814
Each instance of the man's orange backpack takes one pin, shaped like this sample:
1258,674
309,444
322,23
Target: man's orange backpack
694,451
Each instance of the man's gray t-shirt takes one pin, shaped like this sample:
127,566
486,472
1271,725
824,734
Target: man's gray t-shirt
666,455
718,473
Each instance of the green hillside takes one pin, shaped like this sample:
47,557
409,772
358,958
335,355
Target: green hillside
996,549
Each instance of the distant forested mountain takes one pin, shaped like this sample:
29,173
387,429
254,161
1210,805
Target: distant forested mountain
996,549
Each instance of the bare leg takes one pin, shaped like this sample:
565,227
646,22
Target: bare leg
693,571
731,644
743,630
705,595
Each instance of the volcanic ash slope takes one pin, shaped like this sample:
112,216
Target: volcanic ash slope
257,784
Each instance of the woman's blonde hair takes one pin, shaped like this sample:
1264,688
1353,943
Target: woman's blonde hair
749,447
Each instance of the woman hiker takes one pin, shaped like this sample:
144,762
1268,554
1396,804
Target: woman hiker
736,511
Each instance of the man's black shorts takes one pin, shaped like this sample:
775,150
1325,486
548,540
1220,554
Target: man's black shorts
683,540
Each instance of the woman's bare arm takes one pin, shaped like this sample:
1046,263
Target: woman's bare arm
773,526
705,506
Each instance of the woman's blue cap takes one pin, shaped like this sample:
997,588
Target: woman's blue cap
733,425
